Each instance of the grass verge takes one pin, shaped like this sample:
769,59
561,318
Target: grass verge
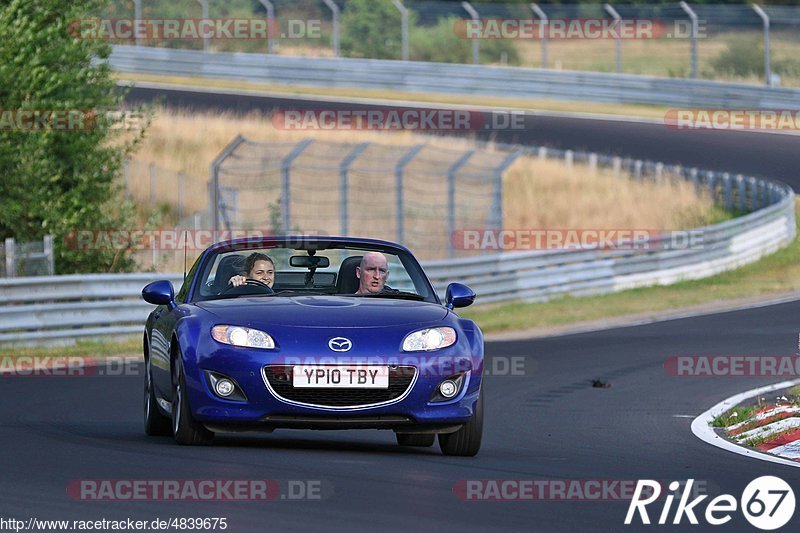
776,273
538,104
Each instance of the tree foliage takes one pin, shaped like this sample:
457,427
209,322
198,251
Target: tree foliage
58,181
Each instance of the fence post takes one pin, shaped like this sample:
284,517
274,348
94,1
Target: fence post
153,177
399,172
286,168
206,40
569,158
616,164
214,181
617,39
693,17
637,169
543,30
49,252
137,14
11,260
344,167
496,209
335,12
542,152
126,175
181,193
767,63
475,46
451,198
270,22
403,27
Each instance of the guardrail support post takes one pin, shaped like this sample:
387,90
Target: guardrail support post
617,39
693,17
727,190
403,26
569,158
335,12
767,62
475,46
399,172
741,194
593,163
271,22
286,189
659,172
11,260
49,252
637,169
344,188
616,164
544,27
451,199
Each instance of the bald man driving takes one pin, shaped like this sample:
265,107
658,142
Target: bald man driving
372,273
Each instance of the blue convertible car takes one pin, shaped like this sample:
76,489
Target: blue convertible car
328,340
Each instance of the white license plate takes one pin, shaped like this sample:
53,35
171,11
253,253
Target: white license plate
341,376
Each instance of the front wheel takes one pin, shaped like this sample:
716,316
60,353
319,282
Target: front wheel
466,442
185,428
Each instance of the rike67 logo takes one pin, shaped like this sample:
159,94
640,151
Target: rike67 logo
767,503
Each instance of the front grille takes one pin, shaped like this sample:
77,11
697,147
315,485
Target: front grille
279,380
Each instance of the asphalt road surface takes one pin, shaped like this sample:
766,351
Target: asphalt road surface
549,423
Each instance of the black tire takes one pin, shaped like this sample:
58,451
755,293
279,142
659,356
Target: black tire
155,424
416,439
185,429
466,442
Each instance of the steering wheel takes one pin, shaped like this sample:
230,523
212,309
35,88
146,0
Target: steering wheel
251,286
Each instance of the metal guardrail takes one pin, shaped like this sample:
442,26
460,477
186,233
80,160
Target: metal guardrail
78,306
512,82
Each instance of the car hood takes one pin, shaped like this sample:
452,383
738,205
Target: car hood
323,311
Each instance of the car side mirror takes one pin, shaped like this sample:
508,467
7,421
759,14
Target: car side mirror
159,293
459,295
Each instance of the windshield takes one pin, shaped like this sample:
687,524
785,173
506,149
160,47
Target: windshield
340,269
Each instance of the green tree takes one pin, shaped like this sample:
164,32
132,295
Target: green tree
371,28
54,180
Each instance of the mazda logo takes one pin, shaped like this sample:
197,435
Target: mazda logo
340,344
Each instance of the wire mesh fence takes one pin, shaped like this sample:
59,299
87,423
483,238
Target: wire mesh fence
418,194
749,43
22,259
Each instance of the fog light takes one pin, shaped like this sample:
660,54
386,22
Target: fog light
224,387
448,388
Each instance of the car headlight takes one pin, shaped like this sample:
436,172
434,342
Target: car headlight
426,340
241,336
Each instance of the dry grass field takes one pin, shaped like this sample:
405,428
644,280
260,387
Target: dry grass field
537,193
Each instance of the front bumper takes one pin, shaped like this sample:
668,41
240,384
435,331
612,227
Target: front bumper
265,410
